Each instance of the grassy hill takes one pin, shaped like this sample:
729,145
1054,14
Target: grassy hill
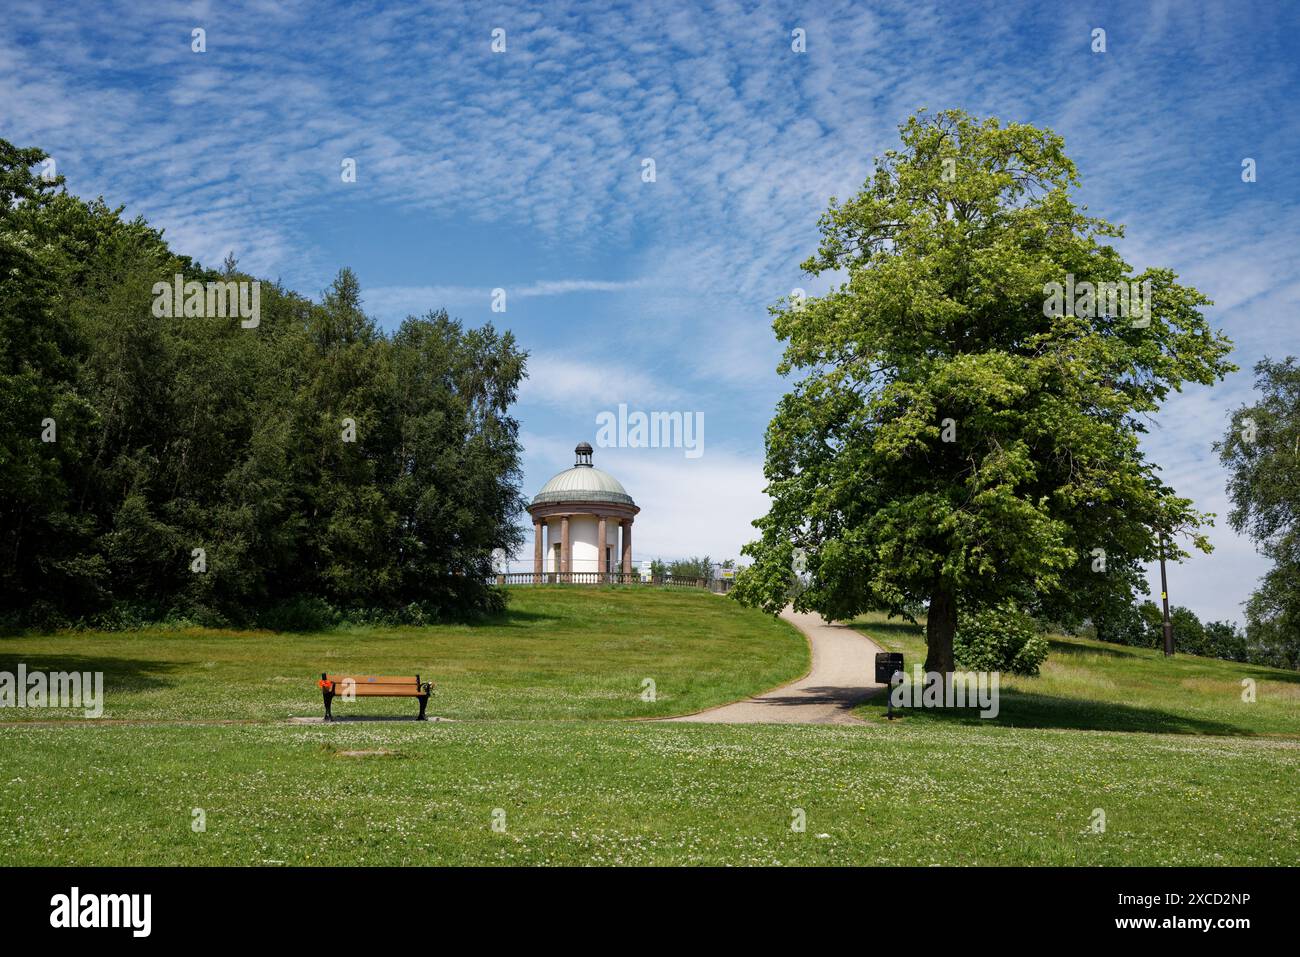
1093,685
532,695
557,653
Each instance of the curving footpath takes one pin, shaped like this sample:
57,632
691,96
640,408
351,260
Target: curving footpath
842,677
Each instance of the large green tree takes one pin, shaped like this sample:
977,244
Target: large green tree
1262,452
952,441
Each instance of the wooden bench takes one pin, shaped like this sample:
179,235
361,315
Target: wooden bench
374,686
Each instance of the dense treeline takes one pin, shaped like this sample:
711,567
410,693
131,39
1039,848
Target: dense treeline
697,566
1261,450
155,467
1143,627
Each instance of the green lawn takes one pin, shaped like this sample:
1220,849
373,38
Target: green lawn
559,652
637,793
531,695
1093,685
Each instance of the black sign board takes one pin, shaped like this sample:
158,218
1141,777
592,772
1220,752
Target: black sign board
888,663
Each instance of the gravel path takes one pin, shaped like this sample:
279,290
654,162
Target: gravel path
842,676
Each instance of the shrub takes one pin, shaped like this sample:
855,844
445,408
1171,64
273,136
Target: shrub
1189,633
694,567
1122,625
1225,640
999,639
1153,625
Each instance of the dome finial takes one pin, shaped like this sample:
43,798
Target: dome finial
583,452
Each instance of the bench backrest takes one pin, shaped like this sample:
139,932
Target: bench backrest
379,685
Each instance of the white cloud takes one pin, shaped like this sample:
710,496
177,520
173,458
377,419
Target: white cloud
395,302
578,385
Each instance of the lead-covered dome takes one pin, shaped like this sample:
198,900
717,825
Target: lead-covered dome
583,483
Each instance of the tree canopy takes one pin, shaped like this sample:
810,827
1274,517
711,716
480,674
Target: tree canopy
956,437
1261,450
313,456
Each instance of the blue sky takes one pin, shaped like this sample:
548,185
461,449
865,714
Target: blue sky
522,170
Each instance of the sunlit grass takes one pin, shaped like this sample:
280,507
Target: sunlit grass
1094,685
637,793
558,652
530,694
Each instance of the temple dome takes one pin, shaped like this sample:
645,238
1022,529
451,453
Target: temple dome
583,483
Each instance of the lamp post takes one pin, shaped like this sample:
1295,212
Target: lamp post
1164,597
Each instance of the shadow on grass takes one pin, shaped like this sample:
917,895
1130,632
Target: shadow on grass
1293,677
120,674
1018,709
892,629
1072,649
511,618
1061,646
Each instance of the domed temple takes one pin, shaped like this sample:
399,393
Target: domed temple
582,510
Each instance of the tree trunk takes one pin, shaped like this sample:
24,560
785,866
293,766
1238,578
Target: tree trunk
940,626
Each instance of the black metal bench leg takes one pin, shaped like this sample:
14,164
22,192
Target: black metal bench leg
424,699
328,698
